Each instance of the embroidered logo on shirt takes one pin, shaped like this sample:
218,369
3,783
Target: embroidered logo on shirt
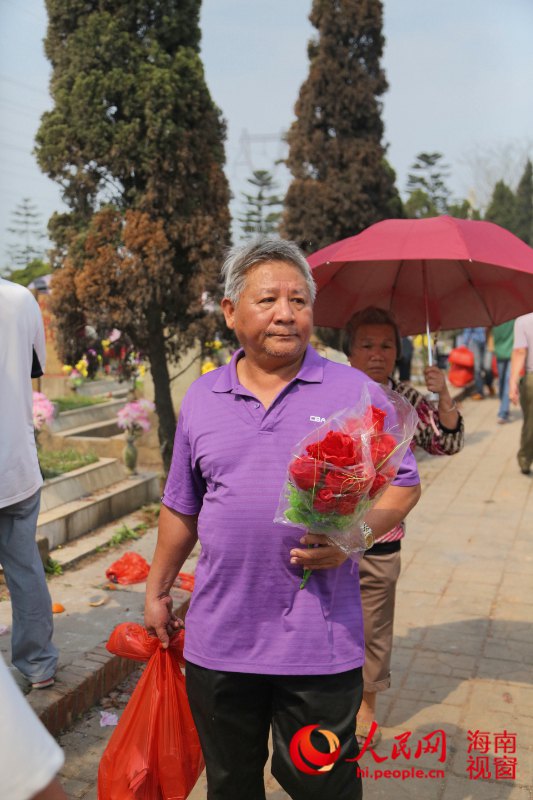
316,419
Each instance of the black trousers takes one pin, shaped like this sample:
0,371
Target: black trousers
233,713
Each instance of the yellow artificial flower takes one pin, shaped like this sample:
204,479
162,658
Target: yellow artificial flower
105,343
208,366
66,369
141,369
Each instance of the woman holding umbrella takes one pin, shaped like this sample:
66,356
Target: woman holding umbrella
373,345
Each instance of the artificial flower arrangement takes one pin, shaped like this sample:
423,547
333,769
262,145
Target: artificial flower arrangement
78,373
338,472
43,410
214,355
43,413
134,417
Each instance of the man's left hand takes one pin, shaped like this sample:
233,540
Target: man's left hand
323,556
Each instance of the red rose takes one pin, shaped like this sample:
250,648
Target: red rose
378,483
305,472
381,447
347,504
345,483
385,475
378,418
336,448
324,501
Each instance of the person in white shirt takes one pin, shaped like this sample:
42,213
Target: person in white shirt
29,757
521,386
22,353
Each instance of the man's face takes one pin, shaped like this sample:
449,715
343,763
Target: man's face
273,317
373,351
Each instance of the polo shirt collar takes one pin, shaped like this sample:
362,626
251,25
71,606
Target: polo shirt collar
311,371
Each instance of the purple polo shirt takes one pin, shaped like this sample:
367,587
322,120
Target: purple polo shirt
247,613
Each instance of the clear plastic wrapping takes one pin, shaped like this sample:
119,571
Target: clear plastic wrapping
338,471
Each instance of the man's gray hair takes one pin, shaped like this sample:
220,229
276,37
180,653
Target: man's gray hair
243,257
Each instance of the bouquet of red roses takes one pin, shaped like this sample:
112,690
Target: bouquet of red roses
338,472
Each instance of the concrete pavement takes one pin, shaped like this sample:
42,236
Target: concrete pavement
463,655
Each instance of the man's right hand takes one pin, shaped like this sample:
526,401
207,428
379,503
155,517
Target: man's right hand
160,620
514,394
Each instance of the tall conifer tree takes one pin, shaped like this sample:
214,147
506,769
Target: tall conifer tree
502,207
426,185
524,205
341,180
261,211
134,129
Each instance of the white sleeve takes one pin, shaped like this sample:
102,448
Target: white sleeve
29,757
39,341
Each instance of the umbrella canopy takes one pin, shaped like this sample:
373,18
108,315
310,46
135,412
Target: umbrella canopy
445,272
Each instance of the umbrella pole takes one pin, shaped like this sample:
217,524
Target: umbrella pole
430,349
432,395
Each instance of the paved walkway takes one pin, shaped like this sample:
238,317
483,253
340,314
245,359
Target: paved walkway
463,656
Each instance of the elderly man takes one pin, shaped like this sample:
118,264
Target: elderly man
261,652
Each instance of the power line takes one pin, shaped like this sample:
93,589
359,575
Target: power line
14,147
23,85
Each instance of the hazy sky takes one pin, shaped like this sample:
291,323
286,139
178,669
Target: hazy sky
459,72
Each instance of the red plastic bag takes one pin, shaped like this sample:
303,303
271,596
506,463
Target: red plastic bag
460,376
461,357
131,568
154,752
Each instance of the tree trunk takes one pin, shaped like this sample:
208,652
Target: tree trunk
163,397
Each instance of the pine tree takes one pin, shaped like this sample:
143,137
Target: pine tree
426,185
502,207
27,227
259,216
341,180
524,205
134,128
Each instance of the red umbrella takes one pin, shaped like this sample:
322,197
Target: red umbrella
433,274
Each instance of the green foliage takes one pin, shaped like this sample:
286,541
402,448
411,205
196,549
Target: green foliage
463,210
259,218
151,514
426,185
53,567
524,205
75,401
57,462
25,275
133,130
502,207
429,195
301,512
341,180
124,534
419,205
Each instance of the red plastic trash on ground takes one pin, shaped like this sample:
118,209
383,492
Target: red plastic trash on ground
130,568
185,581
154,752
